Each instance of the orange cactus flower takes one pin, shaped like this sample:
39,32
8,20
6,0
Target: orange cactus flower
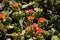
42,20
2,16
15,5
37,28
30,18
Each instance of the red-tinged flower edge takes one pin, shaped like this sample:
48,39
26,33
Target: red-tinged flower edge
40,30
30,11
36,28
35,25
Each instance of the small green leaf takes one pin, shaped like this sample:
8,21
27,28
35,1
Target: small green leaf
56,33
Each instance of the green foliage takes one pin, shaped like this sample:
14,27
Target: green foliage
46,34
1,25
17,16
16,29
57,4
7,21
57,24
48,9
56,33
